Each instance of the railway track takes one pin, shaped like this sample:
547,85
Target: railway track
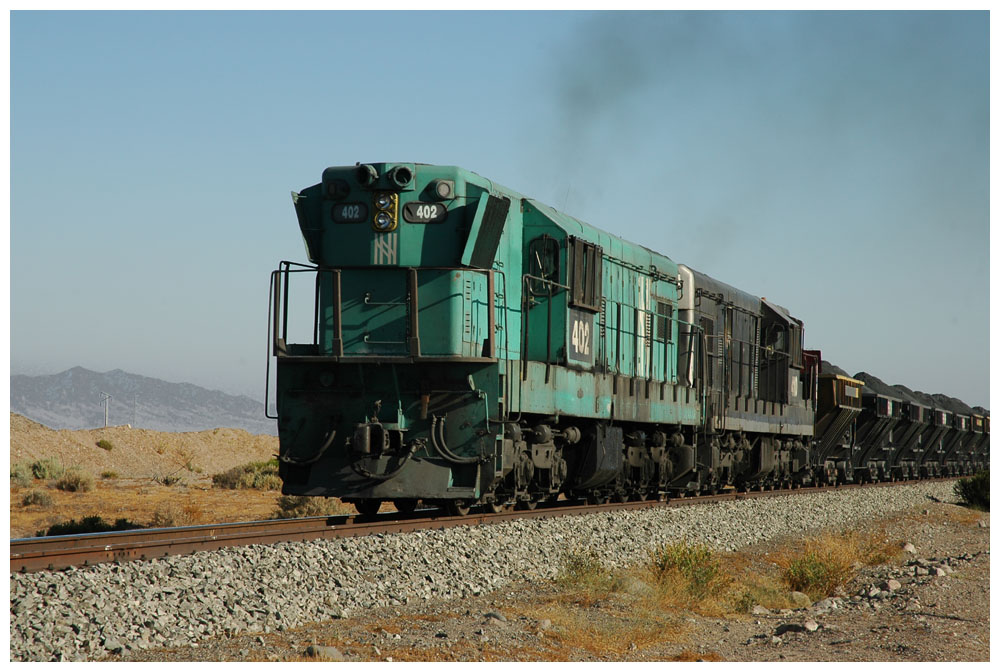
59,552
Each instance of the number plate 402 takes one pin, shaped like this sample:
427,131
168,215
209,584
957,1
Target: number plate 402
580,337
424,213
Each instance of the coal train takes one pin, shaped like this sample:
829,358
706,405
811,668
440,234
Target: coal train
455,343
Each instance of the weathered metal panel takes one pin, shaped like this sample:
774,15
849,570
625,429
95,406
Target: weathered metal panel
572,392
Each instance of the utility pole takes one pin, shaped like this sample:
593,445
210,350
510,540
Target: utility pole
106,400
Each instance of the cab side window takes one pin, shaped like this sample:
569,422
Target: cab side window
543,262
585,280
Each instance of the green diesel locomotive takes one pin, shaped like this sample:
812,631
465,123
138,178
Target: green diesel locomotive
463,344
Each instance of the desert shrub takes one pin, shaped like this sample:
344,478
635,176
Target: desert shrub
47,468
228,479
172,515
105,444
975,490
252,476
76,480
184,457
37,498
825,562
87,525
818,573
167,479
696,568
582,569
759,589
21,475
290,506
109,474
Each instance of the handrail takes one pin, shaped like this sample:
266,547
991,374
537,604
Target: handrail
278,309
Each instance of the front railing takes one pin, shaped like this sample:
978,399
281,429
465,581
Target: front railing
326,332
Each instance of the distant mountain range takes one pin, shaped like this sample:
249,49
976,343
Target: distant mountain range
72,400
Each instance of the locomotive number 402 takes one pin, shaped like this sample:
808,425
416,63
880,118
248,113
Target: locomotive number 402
581,336
424,212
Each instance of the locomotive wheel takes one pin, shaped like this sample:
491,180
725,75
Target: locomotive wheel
368,507
405,505
596,498
497,507
527,505
457,507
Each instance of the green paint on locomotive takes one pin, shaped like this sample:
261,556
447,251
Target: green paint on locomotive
445,305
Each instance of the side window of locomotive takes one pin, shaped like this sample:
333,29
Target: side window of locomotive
543,265
585,283
777,342
795,347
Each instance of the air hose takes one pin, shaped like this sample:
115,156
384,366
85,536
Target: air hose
442,448
361,471
314,458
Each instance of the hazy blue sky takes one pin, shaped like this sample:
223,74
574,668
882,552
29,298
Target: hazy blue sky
836,163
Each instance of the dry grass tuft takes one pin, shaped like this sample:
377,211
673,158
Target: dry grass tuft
576,628
172,515
583,575
823,563
697,569
168,479
76,480
252,476
47,468
21,475
695,577
290,506
38,498
766,588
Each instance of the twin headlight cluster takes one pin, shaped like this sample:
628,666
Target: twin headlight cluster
386,212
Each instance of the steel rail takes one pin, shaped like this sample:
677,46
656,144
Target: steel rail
63,551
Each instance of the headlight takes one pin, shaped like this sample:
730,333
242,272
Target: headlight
384,222
384,201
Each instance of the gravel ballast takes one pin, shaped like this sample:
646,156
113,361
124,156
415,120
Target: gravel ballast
89,613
